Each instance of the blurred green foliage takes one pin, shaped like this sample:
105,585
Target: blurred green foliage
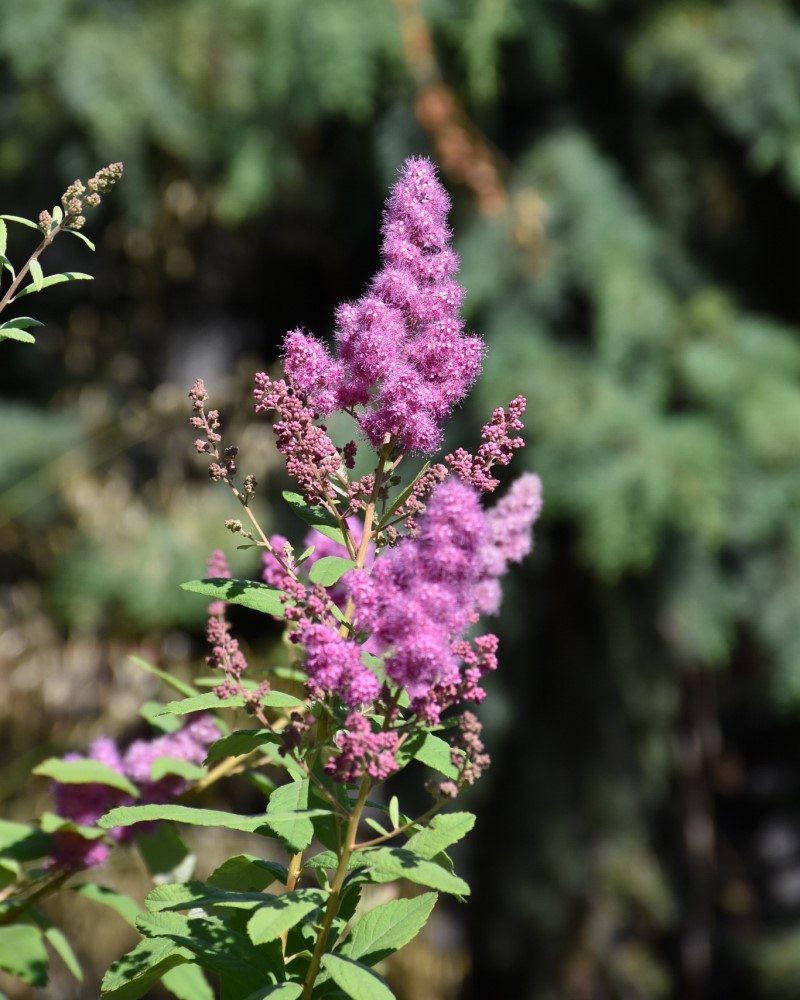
640,287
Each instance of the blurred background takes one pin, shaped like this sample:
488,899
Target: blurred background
626,186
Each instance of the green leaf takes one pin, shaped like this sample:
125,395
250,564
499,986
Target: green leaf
280,913
388,928
295,831
389,863
320,519
443,830
394,811
357,981
163,766
329,860
178,685
216,945
240,742
3,237
37,275
22,841
401,498
151,711
85,772
23,954
283,991
51,823
245,873
20,220
81,237
327,570
54,279
189,895
12,333
63,949
203,702
21,323
117,901
132,975
167,857
57,214
187,982
129,815
430,750
248,593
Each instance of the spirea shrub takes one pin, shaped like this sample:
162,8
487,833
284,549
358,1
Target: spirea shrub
381,597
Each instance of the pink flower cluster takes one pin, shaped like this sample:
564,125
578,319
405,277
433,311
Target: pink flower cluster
84,804
401,351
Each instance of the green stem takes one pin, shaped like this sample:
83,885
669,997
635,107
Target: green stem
336,887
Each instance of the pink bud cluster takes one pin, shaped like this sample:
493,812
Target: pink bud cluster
500,441
402,355
363,751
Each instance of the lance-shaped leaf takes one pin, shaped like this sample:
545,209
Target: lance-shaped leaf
245,873
132,975
129,815
85,772
209,700
14,333
240,742
22,953
318,518
296,831
248,593
279,913
327,570
54,279
389,863
443,830
357,981
117,901
388,928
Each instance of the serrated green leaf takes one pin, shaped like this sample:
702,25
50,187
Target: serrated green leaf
129,815
317,517
295,831
85,772
188,895
81,237
131,976
357,981
247,593
63,949
113,899
178,685
388,928
329,860
430,750
329,569
245,873
163,766
21,323
216,946
20,220
54,279
209,700
23,954
282,912
187,982
443,830
389,863
36,273
241,742
12,333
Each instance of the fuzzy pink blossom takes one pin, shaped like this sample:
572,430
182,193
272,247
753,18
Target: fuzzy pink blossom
334,667
402,355
509,538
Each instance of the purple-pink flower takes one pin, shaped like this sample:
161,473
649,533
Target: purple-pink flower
402,356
